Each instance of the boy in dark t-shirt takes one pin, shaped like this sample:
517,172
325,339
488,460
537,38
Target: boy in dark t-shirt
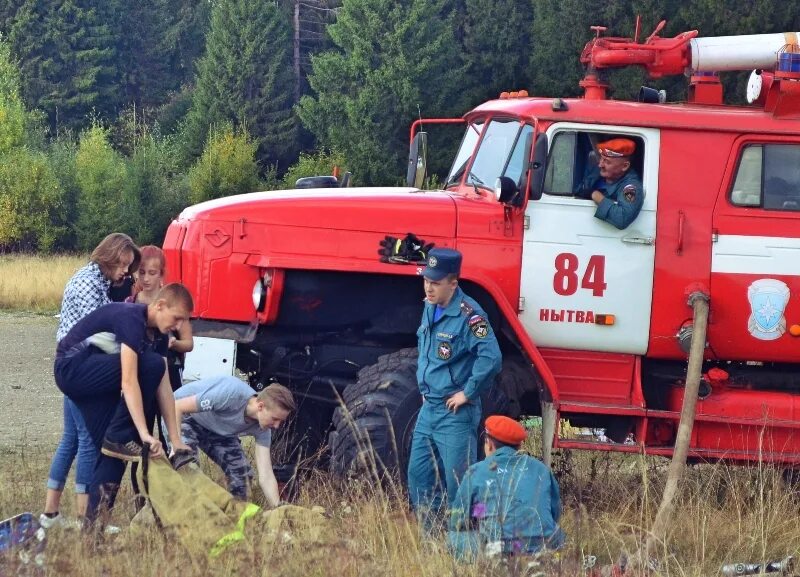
113,350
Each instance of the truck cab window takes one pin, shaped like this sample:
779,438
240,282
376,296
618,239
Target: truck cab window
560,176
747,186
768,176
494,152
572,156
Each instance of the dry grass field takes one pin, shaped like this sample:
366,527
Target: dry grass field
724,514
35,283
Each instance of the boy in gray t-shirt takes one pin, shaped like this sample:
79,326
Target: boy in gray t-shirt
216,411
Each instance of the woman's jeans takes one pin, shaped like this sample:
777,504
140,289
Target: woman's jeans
75,441
93,381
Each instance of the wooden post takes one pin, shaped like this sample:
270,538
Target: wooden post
699,302
548,432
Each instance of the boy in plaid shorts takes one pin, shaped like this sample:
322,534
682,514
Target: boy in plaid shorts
214,412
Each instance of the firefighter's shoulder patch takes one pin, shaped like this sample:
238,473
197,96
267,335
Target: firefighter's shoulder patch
479,328
629,192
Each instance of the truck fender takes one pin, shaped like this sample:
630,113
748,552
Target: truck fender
513,323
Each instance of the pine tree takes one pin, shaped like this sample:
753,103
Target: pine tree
392,60
555,66
157,43
145,68
246,78
67,55
184,39
497,44
8,12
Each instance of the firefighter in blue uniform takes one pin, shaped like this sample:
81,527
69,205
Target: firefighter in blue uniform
458,359
613,185
509,503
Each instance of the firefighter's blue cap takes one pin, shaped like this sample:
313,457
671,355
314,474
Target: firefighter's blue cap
442,262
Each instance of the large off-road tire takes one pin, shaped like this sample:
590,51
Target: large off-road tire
511,385
375,425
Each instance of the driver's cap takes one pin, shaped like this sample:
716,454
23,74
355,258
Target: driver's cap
616,148
442,262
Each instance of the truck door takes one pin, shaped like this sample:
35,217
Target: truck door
587,285
754,262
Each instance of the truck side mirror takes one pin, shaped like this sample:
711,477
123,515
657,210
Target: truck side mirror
538,165
417,162
507,192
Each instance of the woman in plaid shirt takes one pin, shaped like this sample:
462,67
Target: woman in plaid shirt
86,291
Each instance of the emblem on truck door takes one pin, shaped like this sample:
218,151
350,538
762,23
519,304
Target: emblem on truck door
768,298
217,238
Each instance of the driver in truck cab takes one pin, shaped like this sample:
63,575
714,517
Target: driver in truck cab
458,360
613,184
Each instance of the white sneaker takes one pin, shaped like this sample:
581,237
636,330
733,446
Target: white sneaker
49,522
112,530
60,521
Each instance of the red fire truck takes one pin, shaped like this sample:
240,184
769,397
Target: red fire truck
593,321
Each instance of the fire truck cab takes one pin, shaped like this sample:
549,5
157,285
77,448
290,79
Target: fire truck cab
592,320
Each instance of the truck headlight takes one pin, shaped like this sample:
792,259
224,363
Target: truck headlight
260,294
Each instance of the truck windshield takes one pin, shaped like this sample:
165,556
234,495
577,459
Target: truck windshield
465,152
502,152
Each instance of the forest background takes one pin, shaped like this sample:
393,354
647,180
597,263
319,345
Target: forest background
114,115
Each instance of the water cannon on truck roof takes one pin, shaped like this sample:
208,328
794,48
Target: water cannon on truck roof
773,58
592,317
